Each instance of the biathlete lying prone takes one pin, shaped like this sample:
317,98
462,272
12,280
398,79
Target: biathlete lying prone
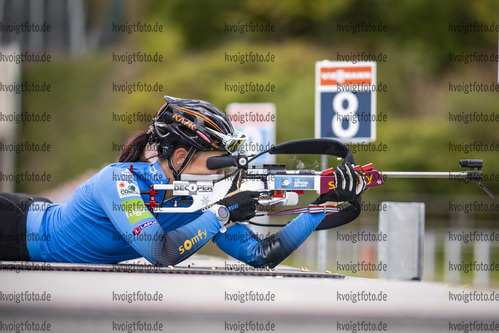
106,220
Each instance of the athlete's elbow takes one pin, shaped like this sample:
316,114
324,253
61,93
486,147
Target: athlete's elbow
268,253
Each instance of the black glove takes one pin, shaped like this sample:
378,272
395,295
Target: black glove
350,184
242,205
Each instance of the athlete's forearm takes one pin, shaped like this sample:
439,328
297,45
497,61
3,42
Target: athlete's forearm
243,244
179,244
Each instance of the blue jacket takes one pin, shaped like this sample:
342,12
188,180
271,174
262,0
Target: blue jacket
106,221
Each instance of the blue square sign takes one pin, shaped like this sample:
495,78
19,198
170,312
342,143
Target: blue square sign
346,101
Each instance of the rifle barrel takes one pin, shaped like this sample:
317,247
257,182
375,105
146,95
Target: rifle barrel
403,174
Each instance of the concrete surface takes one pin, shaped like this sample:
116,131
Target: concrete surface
276,301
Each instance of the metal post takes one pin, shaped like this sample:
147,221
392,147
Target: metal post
76,11
452,254
481,253
36,15
429,255
10,104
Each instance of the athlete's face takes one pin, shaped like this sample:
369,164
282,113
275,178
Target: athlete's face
197,165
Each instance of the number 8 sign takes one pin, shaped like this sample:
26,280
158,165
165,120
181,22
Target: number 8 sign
345,104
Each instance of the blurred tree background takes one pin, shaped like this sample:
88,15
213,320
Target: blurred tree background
83,131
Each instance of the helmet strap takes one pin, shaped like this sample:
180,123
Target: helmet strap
177,173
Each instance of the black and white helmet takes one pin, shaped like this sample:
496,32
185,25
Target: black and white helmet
196,123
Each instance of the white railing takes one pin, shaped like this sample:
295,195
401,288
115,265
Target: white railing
467,256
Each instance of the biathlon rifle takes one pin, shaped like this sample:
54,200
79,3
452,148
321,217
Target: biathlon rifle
204,190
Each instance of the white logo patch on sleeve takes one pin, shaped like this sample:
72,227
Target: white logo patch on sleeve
127,189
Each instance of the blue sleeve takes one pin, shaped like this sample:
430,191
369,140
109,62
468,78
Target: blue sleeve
240,242
122,203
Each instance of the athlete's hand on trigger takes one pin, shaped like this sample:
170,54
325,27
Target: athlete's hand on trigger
242,204
350,184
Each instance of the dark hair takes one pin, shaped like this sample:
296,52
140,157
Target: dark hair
133,151
134,148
